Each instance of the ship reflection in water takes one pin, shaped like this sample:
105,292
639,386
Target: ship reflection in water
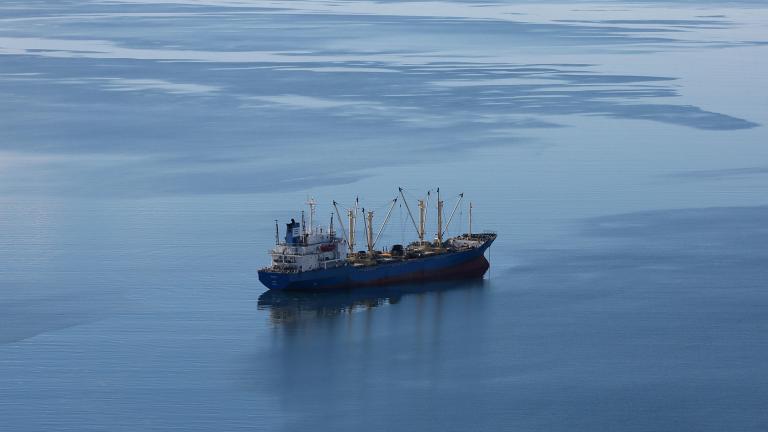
287,307
376,351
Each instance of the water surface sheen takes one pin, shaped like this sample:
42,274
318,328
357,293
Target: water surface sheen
619,150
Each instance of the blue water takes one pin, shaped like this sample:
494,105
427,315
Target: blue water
618,148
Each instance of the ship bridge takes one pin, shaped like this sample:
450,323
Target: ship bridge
305,247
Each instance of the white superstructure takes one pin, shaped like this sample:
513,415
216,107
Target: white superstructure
307,248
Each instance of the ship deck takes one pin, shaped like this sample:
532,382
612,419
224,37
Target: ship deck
414,252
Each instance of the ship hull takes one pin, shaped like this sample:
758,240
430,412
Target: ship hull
454,265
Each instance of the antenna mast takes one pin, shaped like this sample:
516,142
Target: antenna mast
312,204
277,233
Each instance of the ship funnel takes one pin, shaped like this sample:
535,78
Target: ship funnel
293,232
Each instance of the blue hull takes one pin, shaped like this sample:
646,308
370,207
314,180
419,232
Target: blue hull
454,265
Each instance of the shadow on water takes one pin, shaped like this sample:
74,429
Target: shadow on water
292,306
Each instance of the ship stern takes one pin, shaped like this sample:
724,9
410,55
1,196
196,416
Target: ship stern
275,280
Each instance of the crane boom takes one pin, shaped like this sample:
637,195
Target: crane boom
386,219
410,215
450,218
338,216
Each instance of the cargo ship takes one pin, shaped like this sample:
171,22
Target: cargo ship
311,258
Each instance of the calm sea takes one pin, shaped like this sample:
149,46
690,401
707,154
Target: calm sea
618,149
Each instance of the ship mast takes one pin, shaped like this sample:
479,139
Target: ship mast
352,214
312,205
422,204
277,233
422,217
439,219
353,226
343,230
369,231
470,219
303,228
